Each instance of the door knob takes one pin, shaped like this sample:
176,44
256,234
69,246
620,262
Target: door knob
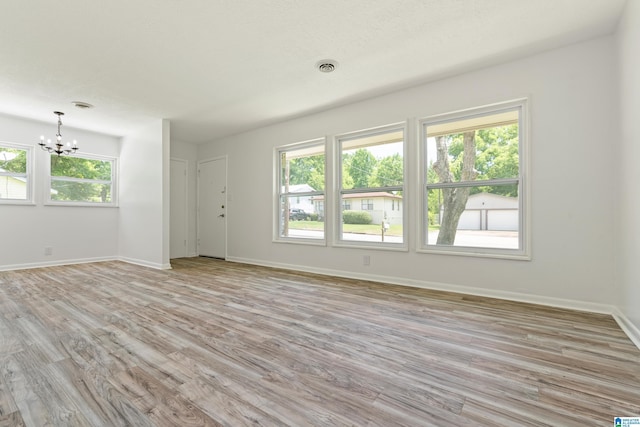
221,216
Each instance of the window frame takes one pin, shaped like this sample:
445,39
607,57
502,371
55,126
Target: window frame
114,182
278,193
338,191
28,175
524,236
365,205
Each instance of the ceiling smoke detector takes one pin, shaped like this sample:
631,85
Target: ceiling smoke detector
327,65
82,105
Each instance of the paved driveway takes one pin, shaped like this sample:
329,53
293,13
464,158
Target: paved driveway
471,238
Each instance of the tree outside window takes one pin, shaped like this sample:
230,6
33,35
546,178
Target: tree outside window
82,180
473,184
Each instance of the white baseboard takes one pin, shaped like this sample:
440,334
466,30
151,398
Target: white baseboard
144,263
439,286
29,265
625,324
84,261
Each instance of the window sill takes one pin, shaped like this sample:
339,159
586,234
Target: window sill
478,253
16,203
301,241
81,205
377,246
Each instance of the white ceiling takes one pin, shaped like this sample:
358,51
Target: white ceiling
219,67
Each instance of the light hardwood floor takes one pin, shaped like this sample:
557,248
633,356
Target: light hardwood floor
217,343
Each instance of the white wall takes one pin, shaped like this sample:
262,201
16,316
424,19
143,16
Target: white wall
573,123
627,208
144,196
76,234
189,152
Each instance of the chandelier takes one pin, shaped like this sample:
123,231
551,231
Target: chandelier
58,147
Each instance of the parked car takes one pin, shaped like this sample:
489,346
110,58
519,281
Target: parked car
298,215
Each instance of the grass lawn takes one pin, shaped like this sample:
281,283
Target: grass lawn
394,230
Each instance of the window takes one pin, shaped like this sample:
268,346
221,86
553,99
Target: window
472,177
371,166
82,180
300,192
346,205
366,204
15,173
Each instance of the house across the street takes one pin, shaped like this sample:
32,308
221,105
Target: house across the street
12,187
381,205
303,202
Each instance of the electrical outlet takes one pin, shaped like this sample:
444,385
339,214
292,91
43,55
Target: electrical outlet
366,260
48,251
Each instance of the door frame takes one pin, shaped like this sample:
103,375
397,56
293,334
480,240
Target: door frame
186,204
226,201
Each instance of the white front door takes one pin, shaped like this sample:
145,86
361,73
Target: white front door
212,208
178,233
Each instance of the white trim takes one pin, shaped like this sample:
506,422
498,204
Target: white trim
440,286
469,251
55,263
278,192
336,217
374,246
523,253
625,324
99,157
186,202
29,178
17,202
143,263
300,241
31,265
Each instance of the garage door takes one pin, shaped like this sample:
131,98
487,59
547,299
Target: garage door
502,220
469,220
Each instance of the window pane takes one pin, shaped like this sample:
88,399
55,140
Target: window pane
370,165
304,219
375,221
14,183
302,170
13,187
78,167
13,160
483,217
373,161
80,191
479,148
83,180
301,191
